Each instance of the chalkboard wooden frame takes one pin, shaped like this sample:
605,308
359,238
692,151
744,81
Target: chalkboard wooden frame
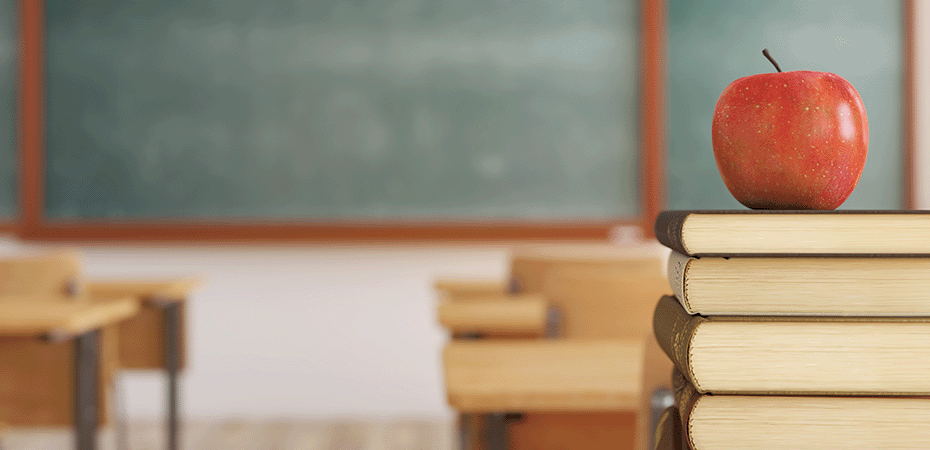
909,183
34,225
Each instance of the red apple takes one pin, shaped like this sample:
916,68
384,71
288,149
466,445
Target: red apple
790,140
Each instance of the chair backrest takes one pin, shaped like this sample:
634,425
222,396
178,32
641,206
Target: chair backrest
55,275
602,291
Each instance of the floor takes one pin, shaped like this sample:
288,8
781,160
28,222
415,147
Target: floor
281,435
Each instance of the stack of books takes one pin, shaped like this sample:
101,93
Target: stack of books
797,329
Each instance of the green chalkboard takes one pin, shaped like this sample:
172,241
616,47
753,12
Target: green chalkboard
8,75
332,110
713,42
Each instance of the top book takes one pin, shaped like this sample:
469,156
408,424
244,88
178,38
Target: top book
773,232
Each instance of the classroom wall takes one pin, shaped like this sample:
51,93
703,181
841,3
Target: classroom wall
304,331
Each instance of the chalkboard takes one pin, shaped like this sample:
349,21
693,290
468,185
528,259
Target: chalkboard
714,42
8,75
332,110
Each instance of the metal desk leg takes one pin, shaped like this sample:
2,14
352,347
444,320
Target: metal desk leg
172,350
553,322
466,426
662,398
87,366
121,424
495,432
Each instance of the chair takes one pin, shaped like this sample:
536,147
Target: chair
593,386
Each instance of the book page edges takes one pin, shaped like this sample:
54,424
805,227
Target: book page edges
686,399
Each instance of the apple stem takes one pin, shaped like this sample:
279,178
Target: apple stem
765,52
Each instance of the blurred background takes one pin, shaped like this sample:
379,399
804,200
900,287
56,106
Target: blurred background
320,164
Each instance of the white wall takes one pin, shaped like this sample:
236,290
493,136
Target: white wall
305,331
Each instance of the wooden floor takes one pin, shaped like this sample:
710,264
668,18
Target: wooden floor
348,435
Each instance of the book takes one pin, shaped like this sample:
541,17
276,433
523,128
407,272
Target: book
668,434
773,232
796,355
740,422
791,285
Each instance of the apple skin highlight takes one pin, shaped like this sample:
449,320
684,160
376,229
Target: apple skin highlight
790,140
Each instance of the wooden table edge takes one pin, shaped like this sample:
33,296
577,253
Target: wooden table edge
84,317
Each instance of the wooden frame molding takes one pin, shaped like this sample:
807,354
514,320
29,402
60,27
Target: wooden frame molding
652,122
34,225
301,231
31,113
909,171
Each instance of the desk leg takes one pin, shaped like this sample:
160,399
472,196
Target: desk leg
172,350
465,426
661,399
87,366
495,432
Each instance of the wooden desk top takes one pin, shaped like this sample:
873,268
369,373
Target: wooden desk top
545,375
26,317
167,290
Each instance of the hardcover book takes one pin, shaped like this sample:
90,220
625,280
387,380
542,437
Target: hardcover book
832,286
774,355
773,232
741,422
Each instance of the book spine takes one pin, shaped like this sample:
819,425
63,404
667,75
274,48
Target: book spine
674,328
668,227
686,398
668,433
678,278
